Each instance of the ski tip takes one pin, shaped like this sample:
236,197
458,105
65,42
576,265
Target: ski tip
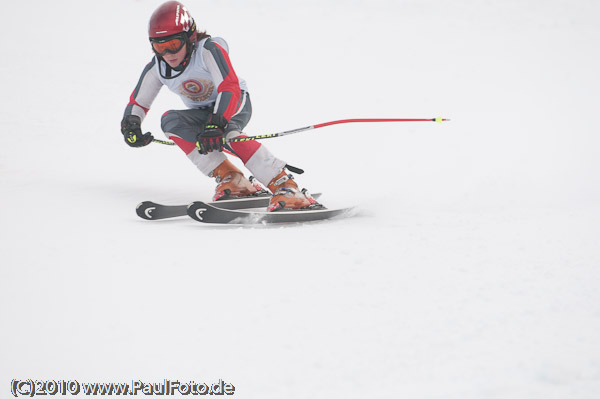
144,209
196,209
144,203
440,120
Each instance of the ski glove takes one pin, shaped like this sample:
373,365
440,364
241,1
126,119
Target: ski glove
132,132
212,138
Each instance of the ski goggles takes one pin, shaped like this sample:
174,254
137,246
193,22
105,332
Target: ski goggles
171,46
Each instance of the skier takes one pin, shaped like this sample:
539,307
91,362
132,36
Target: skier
197,67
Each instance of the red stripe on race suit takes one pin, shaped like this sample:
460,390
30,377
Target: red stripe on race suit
186,146
133,102
245,149
231,84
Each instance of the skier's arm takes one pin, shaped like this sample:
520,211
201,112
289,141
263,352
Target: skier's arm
229,98
139,103
145,92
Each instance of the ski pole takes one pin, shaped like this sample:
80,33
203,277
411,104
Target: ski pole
312,127
165,142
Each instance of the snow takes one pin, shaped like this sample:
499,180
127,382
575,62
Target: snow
471,270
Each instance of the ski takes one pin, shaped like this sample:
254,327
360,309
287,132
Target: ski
211,213
152,211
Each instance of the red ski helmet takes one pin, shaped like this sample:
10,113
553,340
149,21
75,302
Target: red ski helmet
172,21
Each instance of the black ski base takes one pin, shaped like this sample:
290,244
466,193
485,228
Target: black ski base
152,211
208,213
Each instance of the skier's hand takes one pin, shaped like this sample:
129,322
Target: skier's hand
132,132
212,137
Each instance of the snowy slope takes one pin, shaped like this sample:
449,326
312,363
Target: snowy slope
470,272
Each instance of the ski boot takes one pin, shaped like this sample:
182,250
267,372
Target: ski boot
231,183
287,195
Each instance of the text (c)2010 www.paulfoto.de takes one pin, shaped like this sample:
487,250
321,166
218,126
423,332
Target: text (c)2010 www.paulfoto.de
31,388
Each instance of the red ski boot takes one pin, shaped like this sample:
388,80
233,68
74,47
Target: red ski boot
286,194
231,183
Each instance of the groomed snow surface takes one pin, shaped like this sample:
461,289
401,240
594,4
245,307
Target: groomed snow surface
471,270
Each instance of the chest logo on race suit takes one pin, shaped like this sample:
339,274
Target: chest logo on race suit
197,90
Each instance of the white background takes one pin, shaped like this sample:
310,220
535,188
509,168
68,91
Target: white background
471,270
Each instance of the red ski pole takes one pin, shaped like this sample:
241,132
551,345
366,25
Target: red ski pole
312,127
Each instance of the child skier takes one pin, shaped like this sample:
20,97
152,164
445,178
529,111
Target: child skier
197,67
